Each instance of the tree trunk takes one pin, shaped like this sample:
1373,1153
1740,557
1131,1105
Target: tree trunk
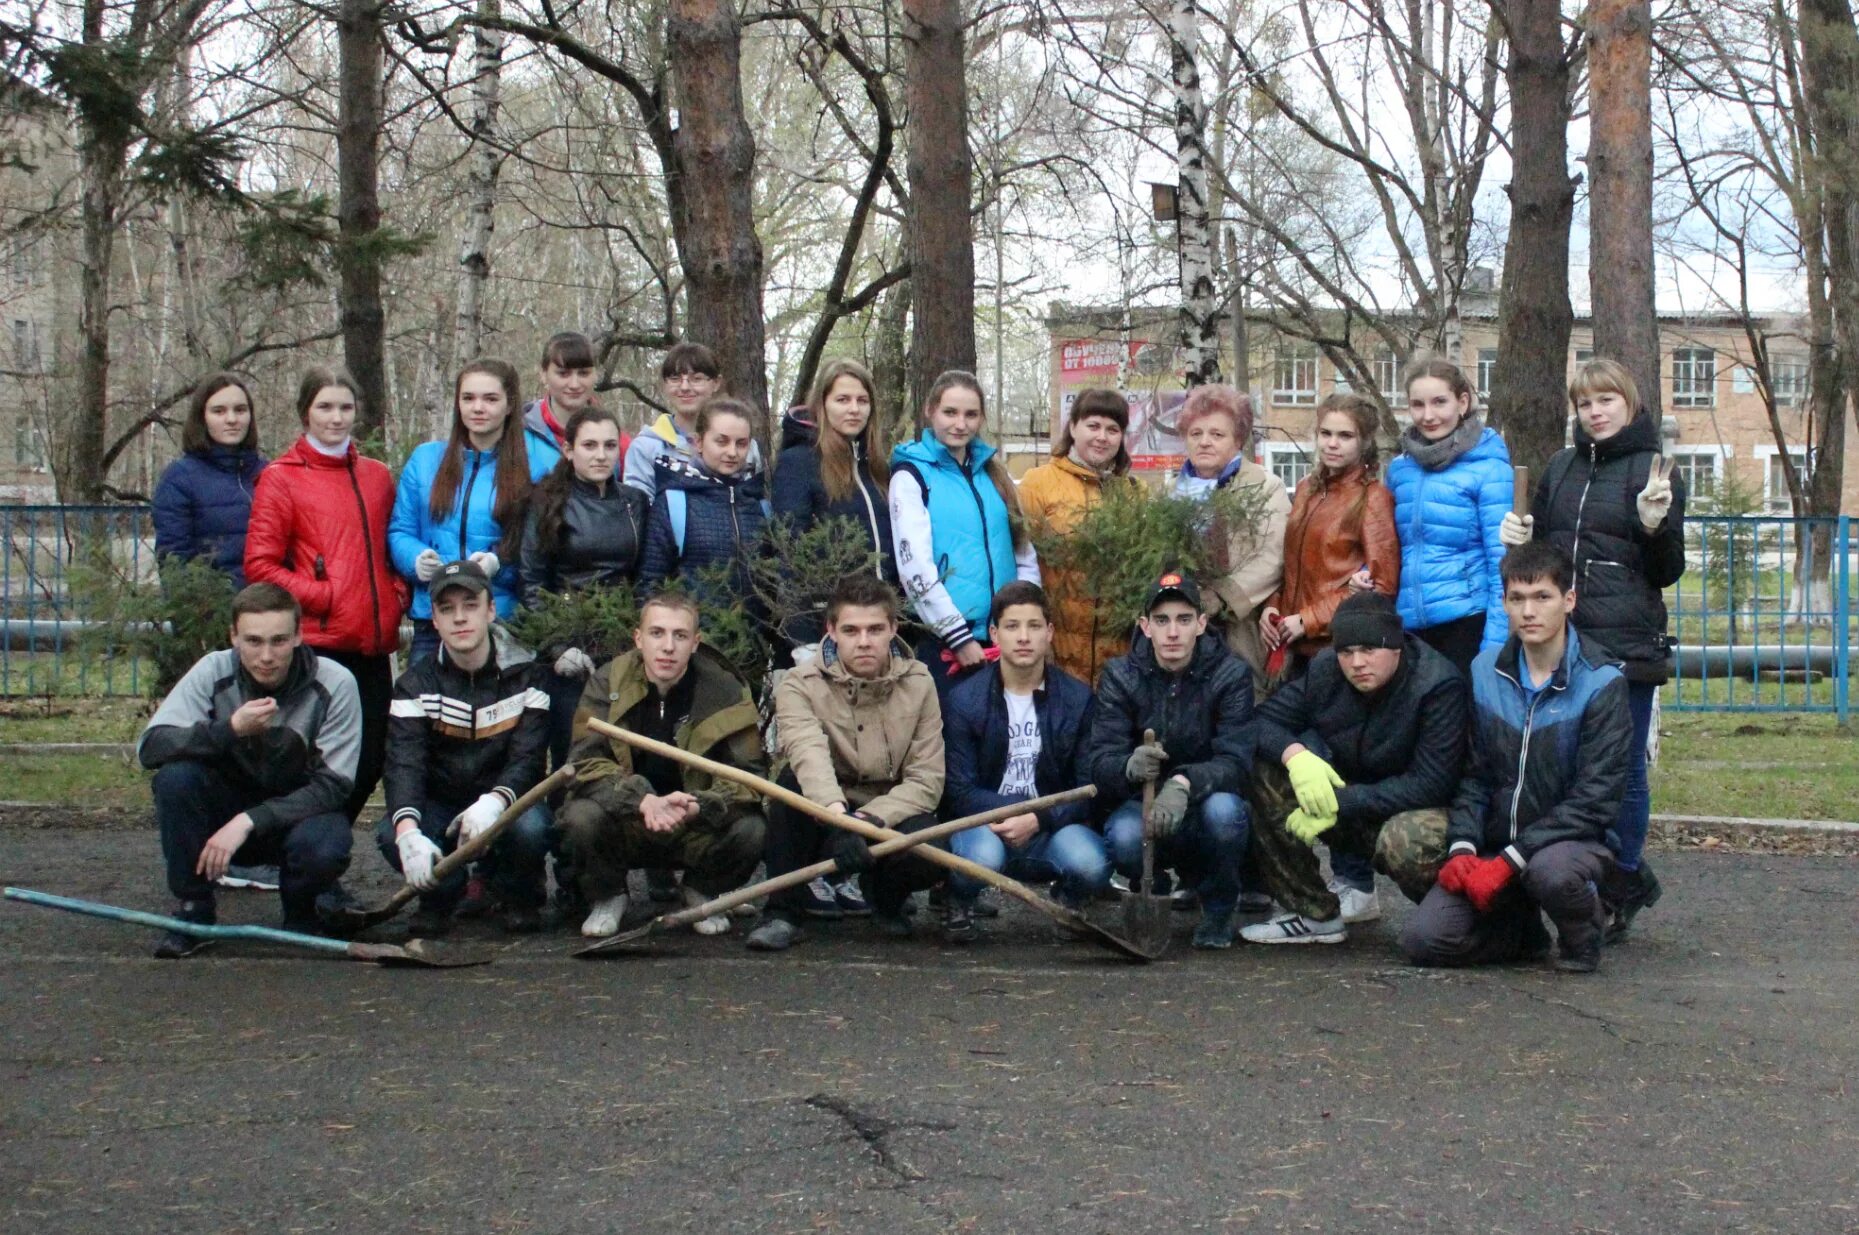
939,226
1620,270
890,363
1534,317
359,50
714,172
1829,67
486,161
1199,331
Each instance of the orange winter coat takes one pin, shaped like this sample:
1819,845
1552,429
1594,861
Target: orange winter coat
1054,497
1335,528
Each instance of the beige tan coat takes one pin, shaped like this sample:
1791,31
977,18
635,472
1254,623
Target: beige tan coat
1254,568
874,744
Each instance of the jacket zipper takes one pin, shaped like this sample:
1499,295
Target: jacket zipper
871,513
464,510
1581,505
367,535
1523,752
982,510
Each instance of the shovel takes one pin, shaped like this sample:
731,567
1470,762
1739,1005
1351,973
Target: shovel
793,879
415,955
1145,915
347,920
1075,921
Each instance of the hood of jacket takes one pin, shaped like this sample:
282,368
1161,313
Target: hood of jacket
797,427
675,472
720,700
926,451
233,460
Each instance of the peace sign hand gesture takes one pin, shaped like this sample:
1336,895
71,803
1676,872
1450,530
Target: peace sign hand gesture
1655,500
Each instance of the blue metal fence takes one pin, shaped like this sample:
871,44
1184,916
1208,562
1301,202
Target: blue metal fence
40,621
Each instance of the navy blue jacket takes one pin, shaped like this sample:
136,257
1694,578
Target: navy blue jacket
202,505
1202,716
1544,766
723,520
974,737
799,495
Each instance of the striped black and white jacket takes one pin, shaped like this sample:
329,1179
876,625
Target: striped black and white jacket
304,760
453,736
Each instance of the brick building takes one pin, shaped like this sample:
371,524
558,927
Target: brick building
38,290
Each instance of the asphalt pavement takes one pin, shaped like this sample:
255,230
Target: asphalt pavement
1701,1082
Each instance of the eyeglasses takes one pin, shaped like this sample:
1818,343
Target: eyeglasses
689,379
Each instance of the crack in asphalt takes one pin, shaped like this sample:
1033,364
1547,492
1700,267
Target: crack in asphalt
875,1131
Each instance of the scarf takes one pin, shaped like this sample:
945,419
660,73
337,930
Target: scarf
1436,455
1102,473
331,452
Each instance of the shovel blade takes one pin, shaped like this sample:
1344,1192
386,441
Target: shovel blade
416,954
625,943
1146,923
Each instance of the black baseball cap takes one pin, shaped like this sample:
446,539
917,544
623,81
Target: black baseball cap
465,574
1174,585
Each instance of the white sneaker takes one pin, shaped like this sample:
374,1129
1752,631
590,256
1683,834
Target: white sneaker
605,917
1296,928
1358,906
715,924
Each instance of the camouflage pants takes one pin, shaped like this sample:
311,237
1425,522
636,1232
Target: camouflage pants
606,845
1408,848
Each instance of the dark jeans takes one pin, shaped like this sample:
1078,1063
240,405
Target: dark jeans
564,698
518,859
1206,850
929,650
1636,803
1456,640
796,840
194,800
374,681
1562,881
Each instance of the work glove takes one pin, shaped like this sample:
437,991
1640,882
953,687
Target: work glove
1145,762
476,819
427,564
1452,875
1308,827
1516,530
417,855
850,854
1315,782
1486,880
574,663
488,563
1169,809
1655,500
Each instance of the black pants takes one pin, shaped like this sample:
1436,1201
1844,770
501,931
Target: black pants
1456,640
374,681
796,840
194,800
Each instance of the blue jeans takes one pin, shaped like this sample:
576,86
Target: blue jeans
1205,850
1354,870
1074,856
425,642
1635,817
517,859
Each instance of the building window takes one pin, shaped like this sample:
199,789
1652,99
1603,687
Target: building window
1788,382
1487,362
1694,377
1775,479
1288,461
1295,383
1700,467
1583,355
28,446
1388,375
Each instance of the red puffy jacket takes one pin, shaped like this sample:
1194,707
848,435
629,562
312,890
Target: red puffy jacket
319,531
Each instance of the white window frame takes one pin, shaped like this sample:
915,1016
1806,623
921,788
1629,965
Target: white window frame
1302,456
1717,454
1388,376
1794,394
1772,502
1694,391
1297,357
1487,365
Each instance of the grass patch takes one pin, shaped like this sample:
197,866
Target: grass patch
54,719
81,782
1769,766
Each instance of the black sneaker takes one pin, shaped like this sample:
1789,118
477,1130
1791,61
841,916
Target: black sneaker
478,900
174,945
986,906
892,923
775,934
429,923
958,923
520,920
1584,958
1627,893
661,886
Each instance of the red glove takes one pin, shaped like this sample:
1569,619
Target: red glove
1452,875
1487,878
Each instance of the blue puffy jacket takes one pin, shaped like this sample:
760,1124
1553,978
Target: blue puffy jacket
974,738
202,505
1448,523
723,518
972,550
467,528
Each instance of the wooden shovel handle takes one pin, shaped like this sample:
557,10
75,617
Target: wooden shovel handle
1520,491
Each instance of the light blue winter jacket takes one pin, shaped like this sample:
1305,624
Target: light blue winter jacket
973,548
1448,523
468,528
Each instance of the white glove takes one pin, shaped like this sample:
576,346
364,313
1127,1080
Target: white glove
488,562
427,564
1655,500
474,819
1516,531
417,855
574,663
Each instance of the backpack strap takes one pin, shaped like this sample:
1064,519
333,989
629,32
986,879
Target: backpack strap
676,505
917,474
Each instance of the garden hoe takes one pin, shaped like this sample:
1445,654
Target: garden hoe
1076,922
793,879
1146,915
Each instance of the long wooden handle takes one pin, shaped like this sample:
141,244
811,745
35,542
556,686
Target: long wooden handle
807,874
1148,825
474,848
1520,491
787,797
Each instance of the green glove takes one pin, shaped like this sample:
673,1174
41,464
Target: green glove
1315,783
1169,808
1307,827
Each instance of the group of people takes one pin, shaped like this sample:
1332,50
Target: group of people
1395,668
